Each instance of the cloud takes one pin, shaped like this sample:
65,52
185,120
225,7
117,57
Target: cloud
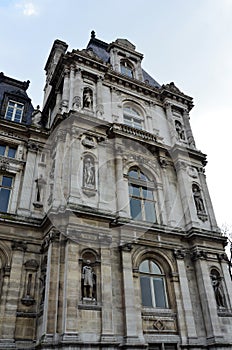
28,8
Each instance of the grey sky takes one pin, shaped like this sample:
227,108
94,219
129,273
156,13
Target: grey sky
185,41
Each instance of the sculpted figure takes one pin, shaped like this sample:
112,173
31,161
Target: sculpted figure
217,286
89,172
88,280
198,200
87,98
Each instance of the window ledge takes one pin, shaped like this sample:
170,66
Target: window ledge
157,312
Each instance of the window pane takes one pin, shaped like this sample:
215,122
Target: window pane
127,121
144,266
4,199
160,299
146,291
6,181
147,194
170,346
155,268
137,124
2,150
142,176
149,211
133,173
135,207
11,152
135,190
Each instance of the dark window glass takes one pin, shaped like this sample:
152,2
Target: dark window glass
152,283
2,150
11,152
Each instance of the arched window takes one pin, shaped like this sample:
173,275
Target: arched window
142,205
152,282
132,117
126,68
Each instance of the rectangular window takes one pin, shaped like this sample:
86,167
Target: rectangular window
14,111
146,291
159,292
5,190
7,151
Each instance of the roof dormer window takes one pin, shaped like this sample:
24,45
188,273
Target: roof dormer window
14,111
126,68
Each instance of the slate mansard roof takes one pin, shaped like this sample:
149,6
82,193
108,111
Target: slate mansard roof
100,48
12,89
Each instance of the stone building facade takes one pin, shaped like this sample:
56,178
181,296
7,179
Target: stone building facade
108,237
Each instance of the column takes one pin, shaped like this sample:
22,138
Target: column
207,297
166,189
65,94
77,88
58,195
99,107
51,302
72,289
71,87
107,299
185,188
171,123
131,338
26,196
13,293
184,304
76,166
122,195
188,129
207,199
161,210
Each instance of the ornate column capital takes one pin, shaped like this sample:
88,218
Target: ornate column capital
19,245
198,254
179,253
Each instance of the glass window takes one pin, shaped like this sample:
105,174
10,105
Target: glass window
152,282
5,190
126,69
7,151
132,118
142,204
14,111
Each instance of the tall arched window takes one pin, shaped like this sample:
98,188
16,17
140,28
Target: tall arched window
126,68
132,117
142,204
152,281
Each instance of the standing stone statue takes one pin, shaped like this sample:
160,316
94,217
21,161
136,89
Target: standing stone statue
218,290
87,98
89,173
88,280
197,199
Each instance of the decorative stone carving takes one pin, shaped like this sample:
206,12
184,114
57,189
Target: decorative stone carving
201,213
89,142
192,172
4,164
36,117
76,103
88,172
88,277
216,280
179,253
198,254
87,98
19,245
180,130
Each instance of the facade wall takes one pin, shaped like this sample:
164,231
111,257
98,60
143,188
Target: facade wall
104,140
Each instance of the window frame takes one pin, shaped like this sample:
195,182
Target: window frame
7,150
151,276
134,115
127,68
142,185
6,188
15,110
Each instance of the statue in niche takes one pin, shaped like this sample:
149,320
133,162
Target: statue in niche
87,98
89,172
198,199
179,130
218,290
88,278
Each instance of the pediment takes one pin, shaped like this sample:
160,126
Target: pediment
125,43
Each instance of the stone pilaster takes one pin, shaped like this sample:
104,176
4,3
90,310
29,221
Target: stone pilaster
184,303
72,289
28,180
207,199
185,188
99,107
121,188
188,129
77,88
76,167
171,124
65,94
107,299
131,337
71,86
51,302
207,297
8,321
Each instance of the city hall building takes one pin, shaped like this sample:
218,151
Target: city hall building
108,238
